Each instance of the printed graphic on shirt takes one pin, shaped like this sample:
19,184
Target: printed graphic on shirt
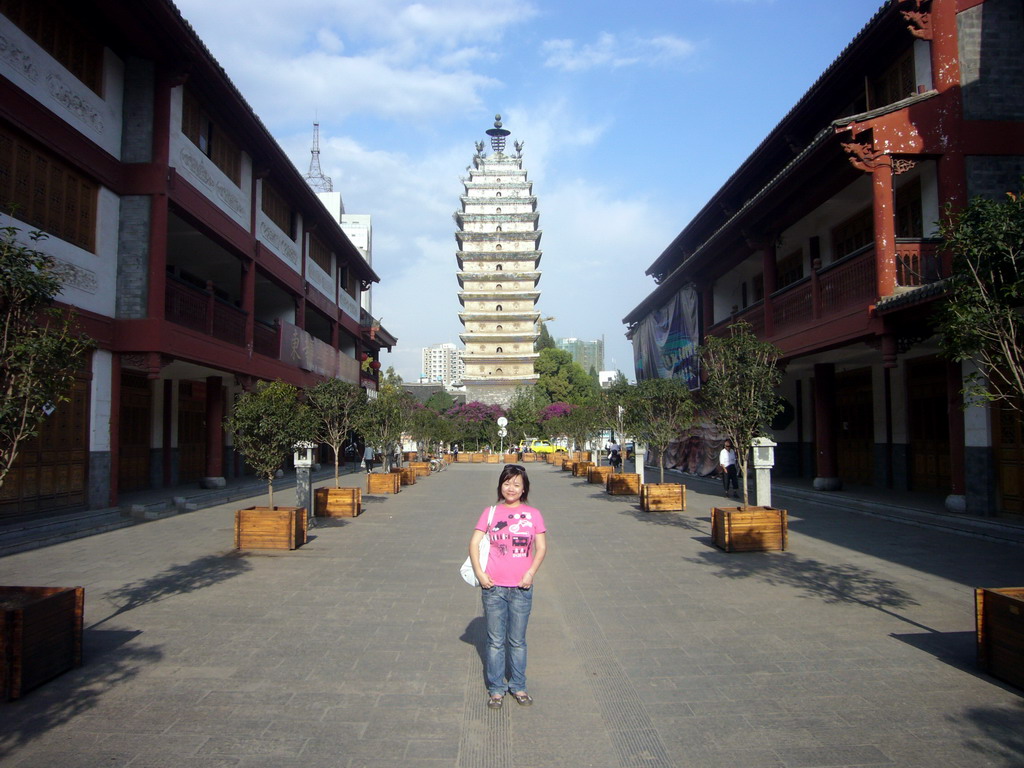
513,536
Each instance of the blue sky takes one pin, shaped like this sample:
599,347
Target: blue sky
632,114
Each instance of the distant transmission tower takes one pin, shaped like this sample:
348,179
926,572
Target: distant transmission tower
315,177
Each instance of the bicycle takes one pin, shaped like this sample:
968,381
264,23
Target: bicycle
437,464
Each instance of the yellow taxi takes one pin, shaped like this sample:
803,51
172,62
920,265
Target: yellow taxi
536,445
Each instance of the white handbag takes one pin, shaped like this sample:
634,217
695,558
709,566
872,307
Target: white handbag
466,571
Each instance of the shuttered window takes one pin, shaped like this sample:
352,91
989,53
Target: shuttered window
44,192
277,209
320,254
60,34
212,140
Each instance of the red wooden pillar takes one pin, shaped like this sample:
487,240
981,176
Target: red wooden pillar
885,226
826,461
158,209
214,432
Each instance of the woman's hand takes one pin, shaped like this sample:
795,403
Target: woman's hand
527,580
486,582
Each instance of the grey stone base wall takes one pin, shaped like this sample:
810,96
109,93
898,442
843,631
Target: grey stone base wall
98,492
980,481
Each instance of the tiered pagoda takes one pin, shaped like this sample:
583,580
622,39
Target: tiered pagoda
498,257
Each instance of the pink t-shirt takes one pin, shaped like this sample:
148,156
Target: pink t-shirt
511,535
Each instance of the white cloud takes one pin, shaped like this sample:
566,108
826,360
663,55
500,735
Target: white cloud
614,51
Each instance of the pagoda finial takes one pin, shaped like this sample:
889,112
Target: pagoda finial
498,134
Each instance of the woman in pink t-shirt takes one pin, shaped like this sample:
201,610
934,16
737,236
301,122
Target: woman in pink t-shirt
518,540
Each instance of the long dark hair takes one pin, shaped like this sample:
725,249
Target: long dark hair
512,470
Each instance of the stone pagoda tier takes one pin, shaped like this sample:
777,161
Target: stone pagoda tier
498,257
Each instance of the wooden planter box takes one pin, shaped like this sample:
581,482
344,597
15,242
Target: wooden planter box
663,497
529,458
463,457
266,528
422,468
568,464
40,636
1000,628
491,458
625,484
550,458
580,455
382,482
337,502
477,458
406,476
599,474
580,468
410,455
510,458
751,529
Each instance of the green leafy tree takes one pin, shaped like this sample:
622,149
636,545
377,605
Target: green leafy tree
583,422
439,402
386,417
544,340
561,379
428,427
613,405
522,413
267,422
738,394
39,349
336,406
660,413
981,318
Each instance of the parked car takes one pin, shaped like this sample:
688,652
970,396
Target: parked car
536,445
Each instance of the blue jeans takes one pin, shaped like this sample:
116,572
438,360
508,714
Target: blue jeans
507,612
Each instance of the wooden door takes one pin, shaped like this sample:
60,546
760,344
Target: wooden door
51,471
855,434
1008,450
134,433
191,431
928,426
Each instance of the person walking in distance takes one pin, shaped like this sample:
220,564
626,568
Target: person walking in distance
518,539
368,454
727,464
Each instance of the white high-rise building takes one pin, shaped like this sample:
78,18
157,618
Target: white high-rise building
498,257
443,364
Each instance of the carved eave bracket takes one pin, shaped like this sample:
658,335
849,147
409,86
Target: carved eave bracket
920,20
864,157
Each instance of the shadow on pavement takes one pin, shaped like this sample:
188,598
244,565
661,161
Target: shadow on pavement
1001,725
830,582
108,664
476,635
176,580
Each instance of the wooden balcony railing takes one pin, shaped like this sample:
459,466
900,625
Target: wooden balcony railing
203,312
918,263
266,339
849,282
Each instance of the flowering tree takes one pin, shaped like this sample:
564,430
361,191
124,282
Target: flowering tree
477,422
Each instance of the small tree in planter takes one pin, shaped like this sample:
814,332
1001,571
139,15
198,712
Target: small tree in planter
336,406
39,350
385,418
614,403
267,423
659,413
738,393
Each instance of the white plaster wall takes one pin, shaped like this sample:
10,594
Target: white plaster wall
200,171
277,241
923,64
100,405
320,280
41,76
977,419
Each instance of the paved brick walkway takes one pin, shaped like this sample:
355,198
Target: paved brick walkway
648,646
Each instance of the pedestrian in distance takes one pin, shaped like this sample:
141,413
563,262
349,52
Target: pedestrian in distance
368,456
727,465
518,544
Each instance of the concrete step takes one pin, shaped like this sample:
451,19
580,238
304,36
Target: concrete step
21,536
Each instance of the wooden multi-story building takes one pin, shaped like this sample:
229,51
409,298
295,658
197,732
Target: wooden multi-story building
195,254
824,241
